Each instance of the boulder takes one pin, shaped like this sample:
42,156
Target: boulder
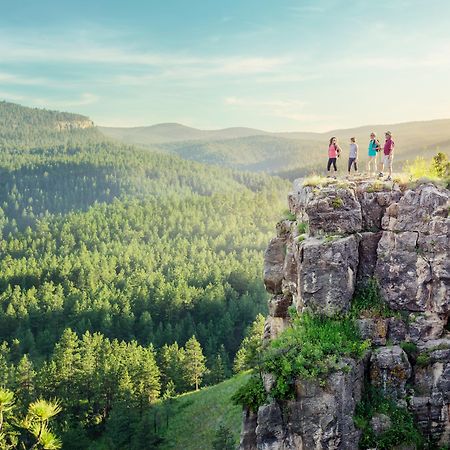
380,423
273,265
418,207
327,274
410,276
334,210
248,430
375,329
279,305
390,370
374,204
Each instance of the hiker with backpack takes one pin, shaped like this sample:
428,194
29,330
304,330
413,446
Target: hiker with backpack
334,151
388,156
374,148
353,155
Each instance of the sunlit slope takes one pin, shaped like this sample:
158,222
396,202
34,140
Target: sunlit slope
195,417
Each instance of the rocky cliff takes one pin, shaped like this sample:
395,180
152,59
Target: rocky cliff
65,125
341,237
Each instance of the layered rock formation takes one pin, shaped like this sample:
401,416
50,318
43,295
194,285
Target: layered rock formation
344,234
67,125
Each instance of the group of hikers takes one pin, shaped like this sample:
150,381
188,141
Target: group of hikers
334,152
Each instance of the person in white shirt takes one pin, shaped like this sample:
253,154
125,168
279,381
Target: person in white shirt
353,155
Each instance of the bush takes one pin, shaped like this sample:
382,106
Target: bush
251,395
367,302
302,228
288,215
311,349
402,430
224,439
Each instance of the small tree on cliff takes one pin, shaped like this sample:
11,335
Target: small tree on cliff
194,363
249,354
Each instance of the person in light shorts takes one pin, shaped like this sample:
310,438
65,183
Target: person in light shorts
388,155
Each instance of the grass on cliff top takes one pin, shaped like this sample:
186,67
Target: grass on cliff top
195,417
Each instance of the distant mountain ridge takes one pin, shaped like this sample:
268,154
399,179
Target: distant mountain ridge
290,154
174,132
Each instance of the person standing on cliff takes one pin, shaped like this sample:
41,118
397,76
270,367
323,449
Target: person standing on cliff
374,148
334,152
388,155
353,155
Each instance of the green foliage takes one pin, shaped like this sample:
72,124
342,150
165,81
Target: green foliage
441,165
108,253
224,439
337,203
195,363
251,395
191,421
312,348
367,302
31,431
402,430
423,360
303,228
288,215
249,354
409,347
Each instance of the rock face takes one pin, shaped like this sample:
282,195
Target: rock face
65,125
343,235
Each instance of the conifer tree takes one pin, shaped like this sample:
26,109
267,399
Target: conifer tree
194,363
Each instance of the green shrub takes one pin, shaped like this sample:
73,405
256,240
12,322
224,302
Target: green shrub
311,348
423,360
303,227
367,302
288,215
251,395
409,347
402,430
337,203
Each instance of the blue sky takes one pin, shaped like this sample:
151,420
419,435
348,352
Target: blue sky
276,65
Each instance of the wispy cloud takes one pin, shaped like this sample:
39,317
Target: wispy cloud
20,80
84,99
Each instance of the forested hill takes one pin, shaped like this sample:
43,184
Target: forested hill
21,126
103,243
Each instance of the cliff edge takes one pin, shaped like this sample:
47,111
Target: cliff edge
376,254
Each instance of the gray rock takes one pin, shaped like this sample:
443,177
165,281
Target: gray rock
273,265
375,329
323,416
396,330
390,370
279,305
269,432
424,327
374,205
334,210
418,207
380,423
410,280
248,430
327,274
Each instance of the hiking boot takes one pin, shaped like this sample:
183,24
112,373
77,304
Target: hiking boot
389,179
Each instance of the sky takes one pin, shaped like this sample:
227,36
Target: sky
278,65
